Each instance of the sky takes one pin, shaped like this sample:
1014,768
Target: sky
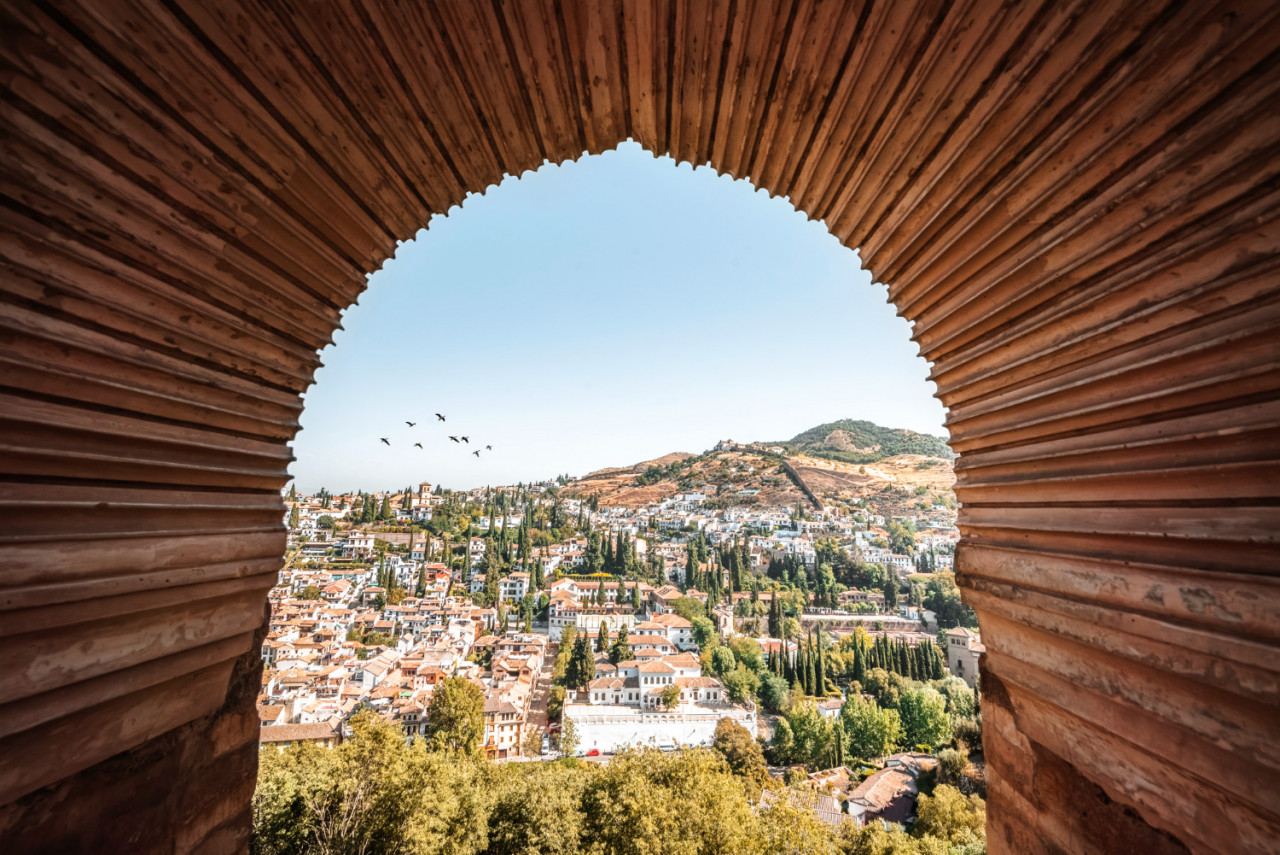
600,313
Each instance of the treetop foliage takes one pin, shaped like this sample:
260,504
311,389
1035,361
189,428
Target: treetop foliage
375,794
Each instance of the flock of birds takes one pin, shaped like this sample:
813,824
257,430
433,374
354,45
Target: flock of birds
457,439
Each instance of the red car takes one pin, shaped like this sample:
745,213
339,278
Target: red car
594,752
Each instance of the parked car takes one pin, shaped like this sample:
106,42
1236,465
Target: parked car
594,752
546,743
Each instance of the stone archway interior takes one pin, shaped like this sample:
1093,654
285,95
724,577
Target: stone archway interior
1073,203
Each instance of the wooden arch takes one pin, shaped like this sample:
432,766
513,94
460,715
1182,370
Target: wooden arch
1074,202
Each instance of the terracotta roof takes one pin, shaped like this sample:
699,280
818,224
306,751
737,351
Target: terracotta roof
890,792
607,683
825,807
269,713
656,667
296,732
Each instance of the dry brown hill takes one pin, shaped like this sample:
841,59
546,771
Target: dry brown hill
749,478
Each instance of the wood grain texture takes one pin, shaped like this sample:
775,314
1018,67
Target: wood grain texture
1075,204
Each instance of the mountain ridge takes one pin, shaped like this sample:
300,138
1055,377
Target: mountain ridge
843,459
861,441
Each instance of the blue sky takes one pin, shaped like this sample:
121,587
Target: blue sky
601,313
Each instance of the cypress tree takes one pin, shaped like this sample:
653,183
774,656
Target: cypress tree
602,637
891,595
621,651
859,662
821,667
839,740
582,666
810,674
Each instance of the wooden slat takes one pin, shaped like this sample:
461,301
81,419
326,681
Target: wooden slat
1075,204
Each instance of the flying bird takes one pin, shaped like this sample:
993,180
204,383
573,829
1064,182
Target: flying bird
454,438
440,417
410,424
476,453
384,439
466,440
488,448
418,444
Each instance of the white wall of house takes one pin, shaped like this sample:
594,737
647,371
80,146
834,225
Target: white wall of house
610,731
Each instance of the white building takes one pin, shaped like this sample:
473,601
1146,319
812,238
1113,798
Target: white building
964,646
626,708
513,587
358,545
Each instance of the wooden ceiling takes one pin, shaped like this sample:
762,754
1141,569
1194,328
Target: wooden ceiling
1074,203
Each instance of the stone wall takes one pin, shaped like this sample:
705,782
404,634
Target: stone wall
186,790
1075,206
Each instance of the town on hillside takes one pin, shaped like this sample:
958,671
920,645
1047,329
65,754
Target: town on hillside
571,623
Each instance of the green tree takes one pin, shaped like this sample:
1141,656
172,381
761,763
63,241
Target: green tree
621,651
455,717
564,652
293,518
670,696
688,608
582,666
723,661
891,595
567,738
951,765
703,631
742,683
740,750
655,803
902,537
812,734
952,817
774,692
790,826
869,731
942,597
311,592
372,793
924,717
784,744
532,745
747,652
535,809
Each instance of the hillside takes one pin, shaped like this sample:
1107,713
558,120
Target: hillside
720,474
857,441
879,471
